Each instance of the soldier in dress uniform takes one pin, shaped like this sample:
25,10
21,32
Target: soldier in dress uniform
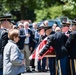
4,24
51,60
71,46
57,41
41,63
65,27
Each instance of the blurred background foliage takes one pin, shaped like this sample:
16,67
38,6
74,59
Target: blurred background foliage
49,13
37,10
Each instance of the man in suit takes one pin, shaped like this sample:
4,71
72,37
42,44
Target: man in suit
28,45
20,43
35,43
71,46
57,41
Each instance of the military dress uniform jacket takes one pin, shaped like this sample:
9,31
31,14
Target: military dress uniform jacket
57,41
71,44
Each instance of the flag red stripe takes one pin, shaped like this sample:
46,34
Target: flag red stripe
34,55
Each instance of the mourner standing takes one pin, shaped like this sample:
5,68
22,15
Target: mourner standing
13,59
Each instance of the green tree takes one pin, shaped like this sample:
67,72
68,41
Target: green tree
23,6
49,13
69,8
38,9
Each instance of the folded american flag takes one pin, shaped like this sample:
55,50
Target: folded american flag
35,54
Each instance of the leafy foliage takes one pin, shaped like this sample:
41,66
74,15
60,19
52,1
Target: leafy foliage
48,13
38,10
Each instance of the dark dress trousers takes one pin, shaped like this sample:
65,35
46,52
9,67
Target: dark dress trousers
71,46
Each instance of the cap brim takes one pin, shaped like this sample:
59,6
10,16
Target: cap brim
2,18
44,27
47,27
73,22
41,27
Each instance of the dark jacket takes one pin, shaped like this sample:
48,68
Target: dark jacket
71,44
22,39
31,42
57,41
42,37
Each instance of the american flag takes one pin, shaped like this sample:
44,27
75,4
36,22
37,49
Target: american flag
35,54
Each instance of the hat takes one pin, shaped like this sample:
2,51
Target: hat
66,24
3,18
47,27
44,27
74,22
39,28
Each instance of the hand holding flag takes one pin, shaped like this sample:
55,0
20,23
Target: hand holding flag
35,54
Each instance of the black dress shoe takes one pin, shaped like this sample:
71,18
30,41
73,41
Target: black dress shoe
33,69
28,71
38,71
44,70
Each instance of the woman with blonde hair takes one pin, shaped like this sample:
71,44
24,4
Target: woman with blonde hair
13,59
